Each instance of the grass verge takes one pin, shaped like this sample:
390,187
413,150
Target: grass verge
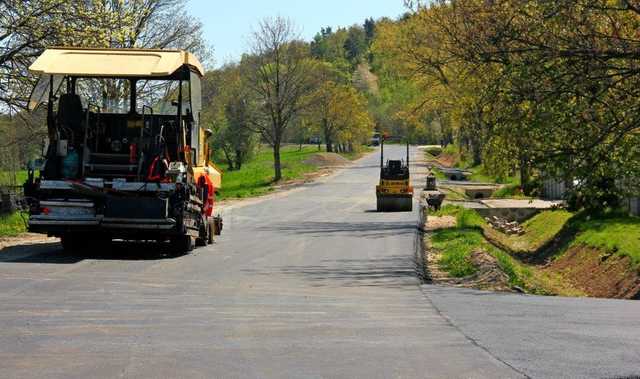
457,244
619,235
12,225
256,176
540,230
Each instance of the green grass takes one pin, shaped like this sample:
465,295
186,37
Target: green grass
539,230
256,176
456,246
509,191
12,225
618,235
451,149
479,174
20,177
438,174
544,226
433,151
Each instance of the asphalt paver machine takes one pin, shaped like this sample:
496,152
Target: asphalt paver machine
394,193
126,156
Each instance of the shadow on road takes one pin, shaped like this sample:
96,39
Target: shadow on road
52,253
391,272
353,229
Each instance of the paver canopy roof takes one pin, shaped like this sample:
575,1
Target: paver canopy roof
114,62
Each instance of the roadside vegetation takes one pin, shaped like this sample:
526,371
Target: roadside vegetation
255,178
552,256
12,225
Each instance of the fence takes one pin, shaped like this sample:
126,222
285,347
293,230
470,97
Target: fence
634,206
554,189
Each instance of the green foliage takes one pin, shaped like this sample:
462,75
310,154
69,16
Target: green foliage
544,226
617,235
514,84
539,231
434,151
228,113
256,176
455,246
510,191
468,219
12,225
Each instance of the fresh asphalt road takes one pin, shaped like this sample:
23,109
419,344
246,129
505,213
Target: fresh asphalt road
307,284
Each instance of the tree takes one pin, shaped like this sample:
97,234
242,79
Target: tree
355,45
370,30
279,75
342,115
227,109
548,87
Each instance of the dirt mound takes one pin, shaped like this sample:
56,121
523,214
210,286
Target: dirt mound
327,160
597,273
447,160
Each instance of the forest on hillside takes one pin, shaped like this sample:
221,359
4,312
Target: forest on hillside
544,90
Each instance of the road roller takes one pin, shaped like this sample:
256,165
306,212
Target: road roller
394,193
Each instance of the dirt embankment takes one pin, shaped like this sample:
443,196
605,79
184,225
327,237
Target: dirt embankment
327,160
597,273
447,160
557,267
488,275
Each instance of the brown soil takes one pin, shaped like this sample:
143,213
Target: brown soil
598,274
447,160
25,239
444,222
327,160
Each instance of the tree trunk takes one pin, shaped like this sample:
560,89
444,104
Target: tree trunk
276,162
524,175
229,159
239,159
327,136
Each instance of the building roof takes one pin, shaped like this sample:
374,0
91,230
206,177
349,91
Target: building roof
139,63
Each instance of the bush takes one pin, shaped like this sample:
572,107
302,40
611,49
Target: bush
12,225
434,150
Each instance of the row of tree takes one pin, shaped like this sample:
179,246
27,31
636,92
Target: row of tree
287,90
550,89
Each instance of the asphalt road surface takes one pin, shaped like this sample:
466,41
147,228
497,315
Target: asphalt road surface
307,284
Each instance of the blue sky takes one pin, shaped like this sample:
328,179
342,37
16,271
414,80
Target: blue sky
228,24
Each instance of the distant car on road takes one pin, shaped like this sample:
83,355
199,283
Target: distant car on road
314,140
375,140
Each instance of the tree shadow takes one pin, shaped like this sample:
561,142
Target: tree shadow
349,229
389,272
52,253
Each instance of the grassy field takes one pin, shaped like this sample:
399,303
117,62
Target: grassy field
12,225
256,177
